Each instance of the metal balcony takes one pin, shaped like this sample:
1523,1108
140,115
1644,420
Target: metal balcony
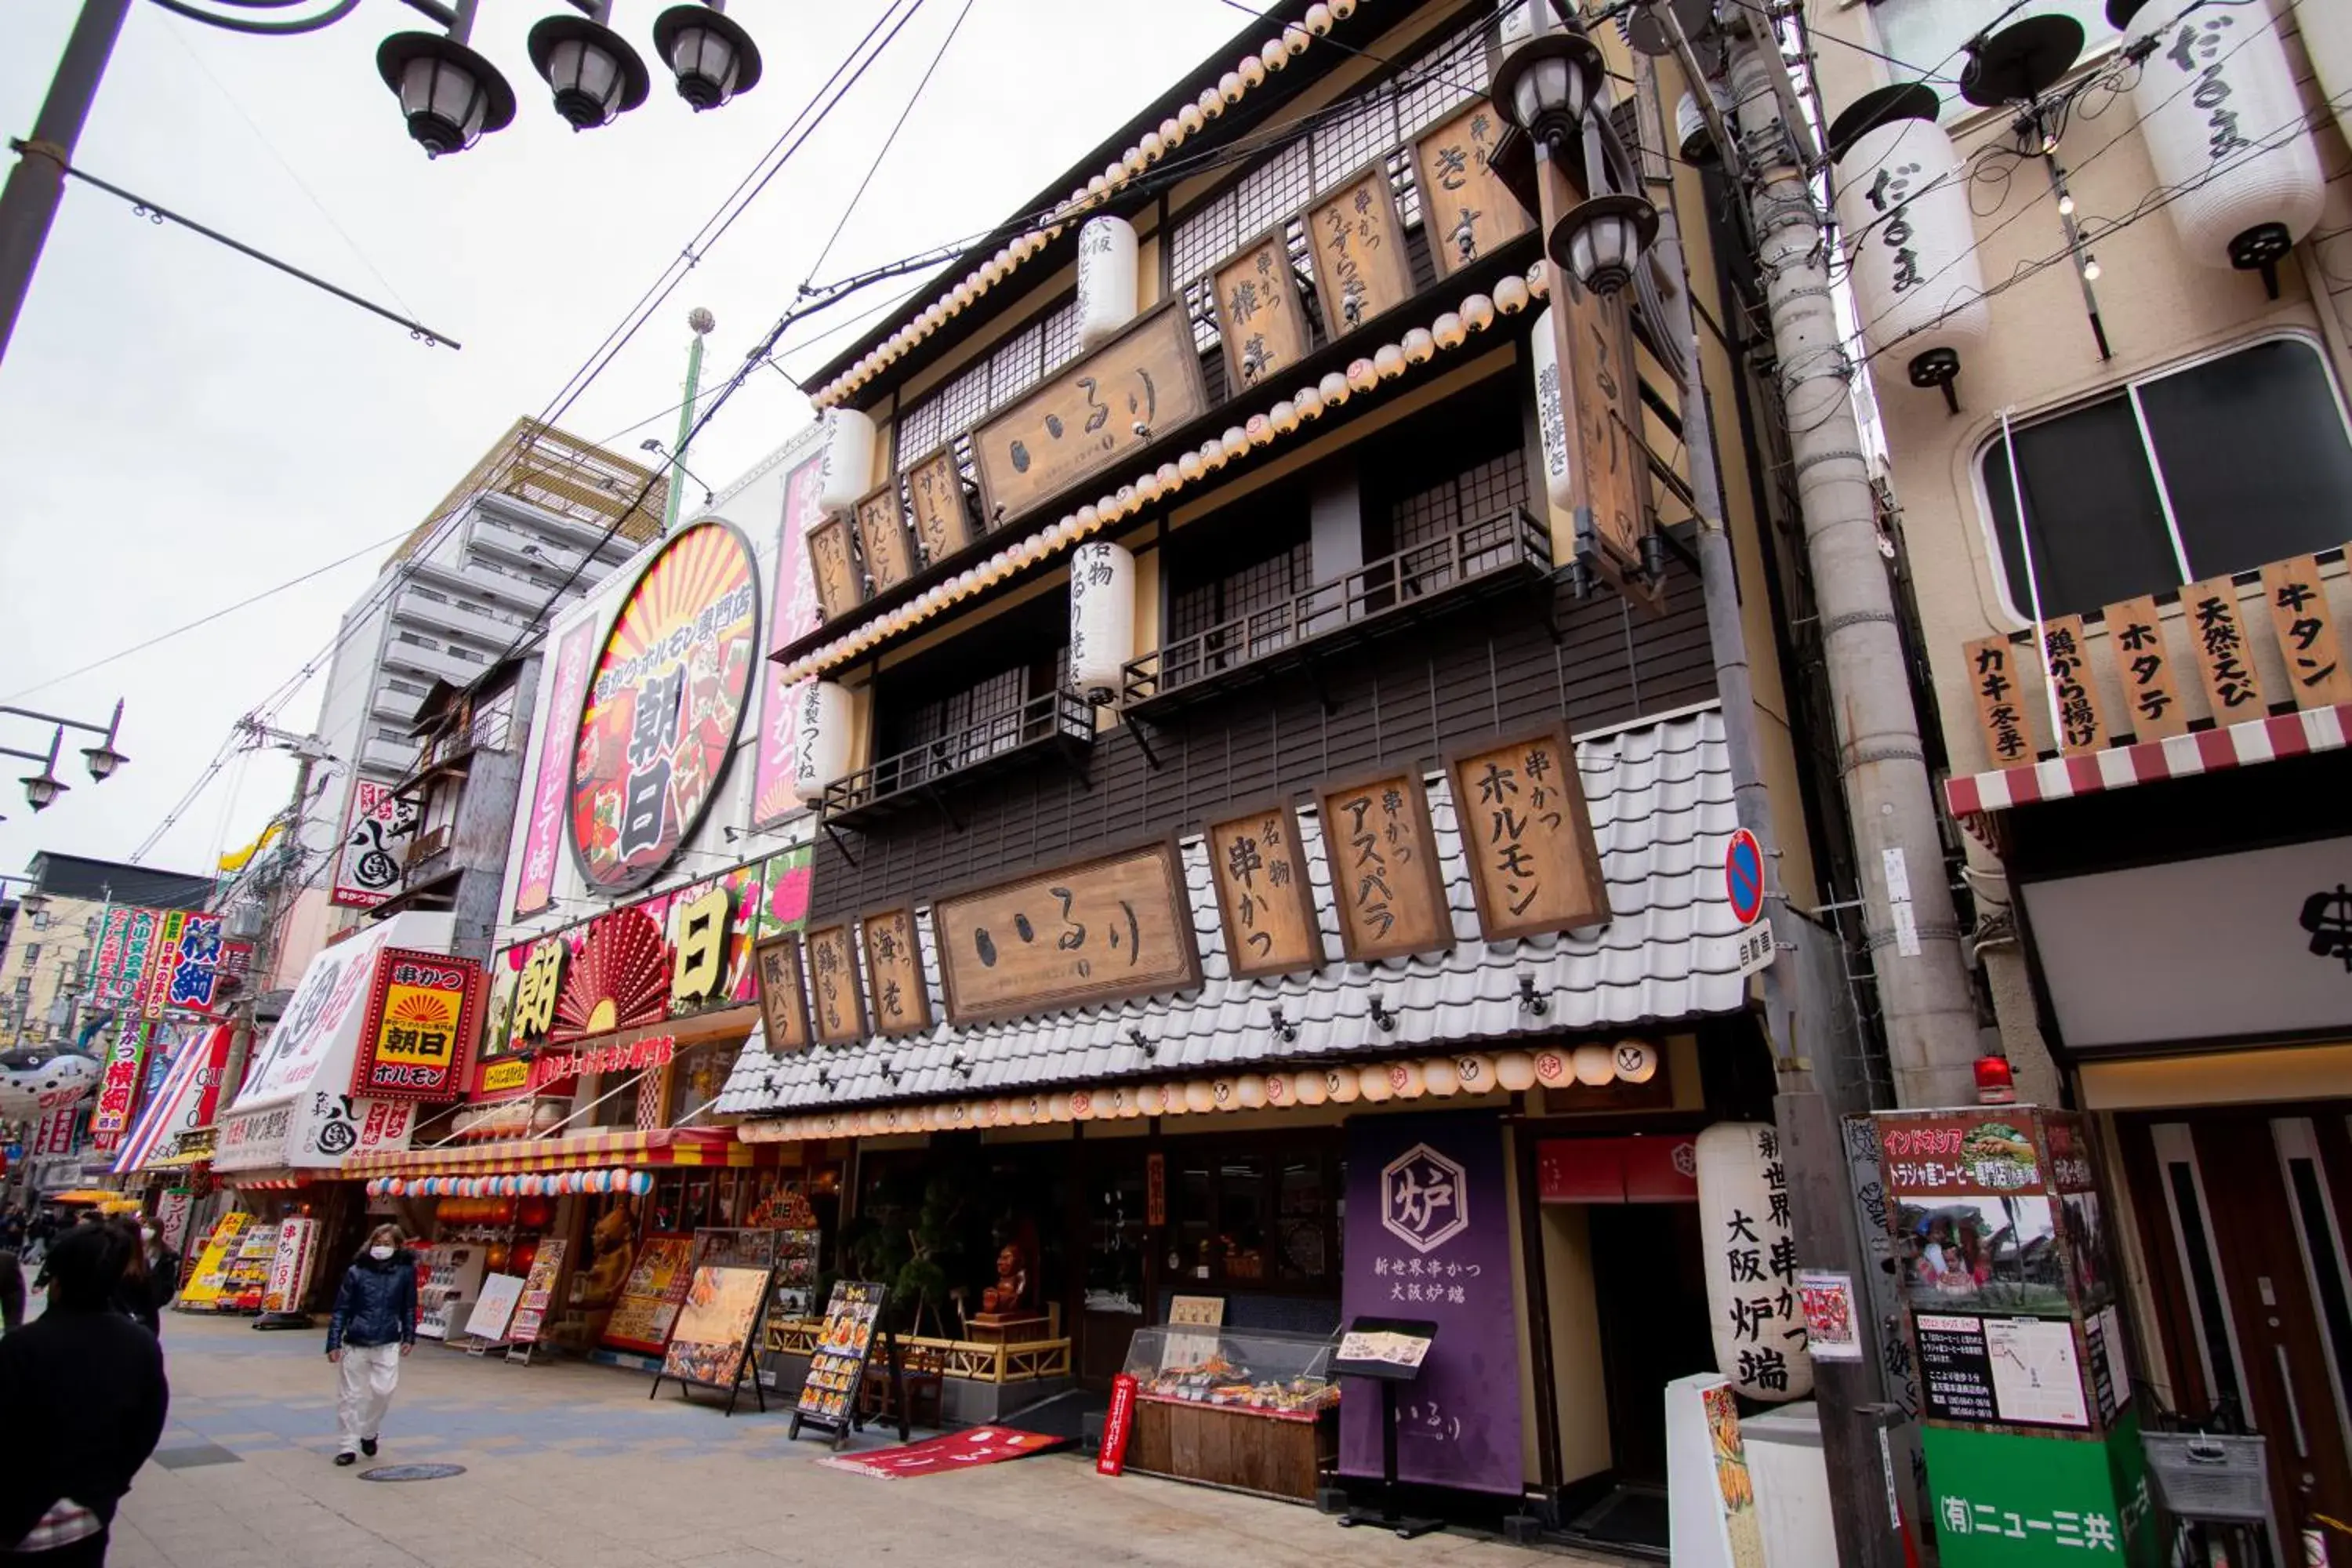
396,758
427,608
1060,724
422,850
431,663
1507,552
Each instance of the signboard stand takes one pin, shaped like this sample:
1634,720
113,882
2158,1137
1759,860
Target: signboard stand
1389,1352
744,1361
837,1374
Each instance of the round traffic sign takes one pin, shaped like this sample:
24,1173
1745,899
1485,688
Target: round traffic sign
1743,877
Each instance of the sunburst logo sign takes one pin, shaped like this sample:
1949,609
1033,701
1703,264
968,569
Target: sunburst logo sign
663,703
419,1028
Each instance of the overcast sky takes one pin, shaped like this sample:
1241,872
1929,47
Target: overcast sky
181,426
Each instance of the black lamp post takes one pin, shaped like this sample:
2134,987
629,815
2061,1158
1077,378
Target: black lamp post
712,58
1547,80
42,789
596,76
450,95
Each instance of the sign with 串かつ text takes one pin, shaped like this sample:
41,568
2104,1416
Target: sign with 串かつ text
1112,403
1256,300
1534,866
1382,855
1466,209
1117,925
1358,242
419,1024
1258,865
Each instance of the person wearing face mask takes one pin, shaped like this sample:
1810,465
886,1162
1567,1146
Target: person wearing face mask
375,1325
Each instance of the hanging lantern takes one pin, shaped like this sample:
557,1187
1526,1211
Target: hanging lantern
1593,1066
1249,1091
849,470
2215,98
1903,198
1551,420
1106,280
1342,1085
822,741
1737,1182
1635,1061
1277,1089
1200,1097
1475,1073
1102,619
1373,1083
641,1181
1553,1069
1438,1075
1405,1080
1308,1087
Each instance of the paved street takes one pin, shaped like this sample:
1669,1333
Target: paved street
573,1466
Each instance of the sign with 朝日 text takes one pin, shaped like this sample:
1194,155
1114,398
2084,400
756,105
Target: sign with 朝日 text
894,970
1361,271
1114,403
1466,209
1534,865
2216,632
1257,862
1382,855
1258,316
2151,690
1114,926
414,1043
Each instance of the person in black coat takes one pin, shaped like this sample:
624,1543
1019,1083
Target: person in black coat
12,1293
374,1325
85,1395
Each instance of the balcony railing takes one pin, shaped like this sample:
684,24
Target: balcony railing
1057,723
425,848
1504,550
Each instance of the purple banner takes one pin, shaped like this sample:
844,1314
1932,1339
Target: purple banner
543,841
1428,1237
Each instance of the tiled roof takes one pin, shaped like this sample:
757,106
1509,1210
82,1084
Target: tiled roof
1661,809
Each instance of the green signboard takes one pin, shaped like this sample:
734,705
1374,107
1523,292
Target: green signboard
2004,1500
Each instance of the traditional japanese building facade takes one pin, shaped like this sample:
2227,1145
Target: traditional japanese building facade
2127,260
1270,766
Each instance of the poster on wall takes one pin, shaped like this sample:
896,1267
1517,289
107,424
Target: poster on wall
1429,1238
118,1086
663,701
375,833
206,1285
542,840
795,611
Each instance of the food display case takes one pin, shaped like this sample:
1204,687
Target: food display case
1255,1409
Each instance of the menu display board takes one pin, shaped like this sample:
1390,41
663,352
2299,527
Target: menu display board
538,1292
718,1327
651,1296
208,1285
493,1318
828,1397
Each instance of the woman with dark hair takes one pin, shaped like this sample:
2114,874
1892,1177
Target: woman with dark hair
373,1326
84,1394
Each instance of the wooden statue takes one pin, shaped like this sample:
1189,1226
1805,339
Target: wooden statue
1011,1287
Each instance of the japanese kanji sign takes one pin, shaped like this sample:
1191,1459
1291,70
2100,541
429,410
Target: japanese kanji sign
2217,630
1601,411
1258,315
420,1015
2306,633
1519,805
2005,1499
943,519
2151,690
894,969
794,610
882,537
1358,242
543,838
1116,925
1383,857
118,1090
840,588
1745,1226
1258,865
1466,209
1112,403
375,835
784,999
2082,711
837,1003
1993,681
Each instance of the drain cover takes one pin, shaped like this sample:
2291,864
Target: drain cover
411,1472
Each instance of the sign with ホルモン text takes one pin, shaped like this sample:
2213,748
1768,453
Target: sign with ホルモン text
1116,925
1534,865
420,1015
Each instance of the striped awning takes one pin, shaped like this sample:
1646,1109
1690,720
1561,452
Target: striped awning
658,1146
273,1179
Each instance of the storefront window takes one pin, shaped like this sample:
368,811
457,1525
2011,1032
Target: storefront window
1115,1243
1257,1213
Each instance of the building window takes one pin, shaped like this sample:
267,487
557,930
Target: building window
946,713
1258,1213
32,954
1242,608
2218,467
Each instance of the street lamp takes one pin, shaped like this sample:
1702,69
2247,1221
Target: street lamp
1548,81
42,789
596,76
103,759
712,58
1601,241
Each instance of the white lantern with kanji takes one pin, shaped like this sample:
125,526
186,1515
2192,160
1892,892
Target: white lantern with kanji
1751,1255
1106,280
848,469
1102,619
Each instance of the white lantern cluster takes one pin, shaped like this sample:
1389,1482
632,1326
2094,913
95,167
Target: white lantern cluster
1903,198
1249,74
551,1183
1451,330
1467,1074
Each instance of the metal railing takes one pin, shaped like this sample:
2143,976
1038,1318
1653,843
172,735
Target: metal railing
1056,718
1420,576
424,847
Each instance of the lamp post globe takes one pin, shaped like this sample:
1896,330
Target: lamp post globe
450,96
1544,84
102,760
596,76
1600,242
42,790
712,57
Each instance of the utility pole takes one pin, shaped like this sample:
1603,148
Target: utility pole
308,753
28,205
703,322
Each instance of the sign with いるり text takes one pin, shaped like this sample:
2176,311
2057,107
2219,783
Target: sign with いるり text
1117,925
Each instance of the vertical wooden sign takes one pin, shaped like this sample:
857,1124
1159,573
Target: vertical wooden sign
784,999
2151,690
942,520
1358,242
839,589
839,1010
1258,315
894,969
2306,632
1600,371
882,535
2082,711
1527,835
1382,855
1994,682
2216,632
1264,900
1466,209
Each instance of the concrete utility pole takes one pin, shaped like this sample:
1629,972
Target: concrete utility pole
1908,919
308,753
29,203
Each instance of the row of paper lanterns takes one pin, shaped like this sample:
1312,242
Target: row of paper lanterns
1450,330
1440,1078
552,1184
1249,73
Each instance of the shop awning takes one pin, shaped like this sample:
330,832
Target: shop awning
580,1151
278,1179
180,1160
187,1101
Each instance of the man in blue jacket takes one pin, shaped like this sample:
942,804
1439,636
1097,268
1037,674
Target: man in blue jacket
374,1325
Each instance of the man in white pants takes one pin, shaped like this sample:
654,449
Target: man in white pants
375,1325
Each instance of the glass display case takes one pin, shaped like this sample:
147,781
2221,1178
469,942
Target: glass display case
1259,1372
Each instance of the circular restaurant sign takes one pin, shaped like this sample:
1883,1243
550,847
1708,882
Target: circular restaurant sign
663,704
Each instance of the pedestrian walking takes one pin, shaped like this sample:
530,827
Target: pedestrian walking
12,1293
85,1395
135,1294
163,1276
373,1326
38,1234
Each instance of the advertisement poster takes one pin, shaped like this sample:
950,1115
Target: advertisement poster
420,1017
651,1297
538,1292
1734,1487
195,973
837,1366
171,1207
124,950
494,1309
1831,1333
1974,1230
375,833
53,1133
663,703
712,1342
209,1282
118,1086
544,839
331,987
162,964
1428,1237
795,613
290,1266
2009,1500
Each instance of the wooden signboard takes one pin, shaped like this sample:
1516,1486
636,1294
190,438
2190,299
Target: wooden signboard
1609,465
882,537
1117,400
1996,683
1361,271
1466,209
718,1328
1115,926
2306,632
942,521
1258,314
834,568
2082,711
2217,633
1382,855
1527,835
1266,901
894,970
838,1006
2151,692
828,1397
783,997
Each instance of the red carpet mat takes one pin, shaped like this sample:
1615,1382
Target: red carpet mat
950,1451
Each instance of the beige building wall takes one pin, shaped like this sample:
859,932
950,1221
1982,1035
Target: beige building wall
39,956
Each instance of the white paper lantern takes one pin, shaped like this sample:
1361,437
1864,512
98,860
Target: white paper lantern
1307,1087
1106,280
1406,1080
2221,117
1102,619
1635,1061
1593,1066
1439,1076
1515,1070
1551,417
821,741
1058,1108
1740,1175
2326,27
1250,1090
1200,1097
1280,1089
848,469
1474,1073
1083,1106
1224,1094
1343,1085
1373,1081
1152,1099
1903,197
1173,1101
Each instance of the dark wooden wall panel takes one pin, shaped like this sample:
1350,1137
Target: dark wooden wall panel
1406,698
